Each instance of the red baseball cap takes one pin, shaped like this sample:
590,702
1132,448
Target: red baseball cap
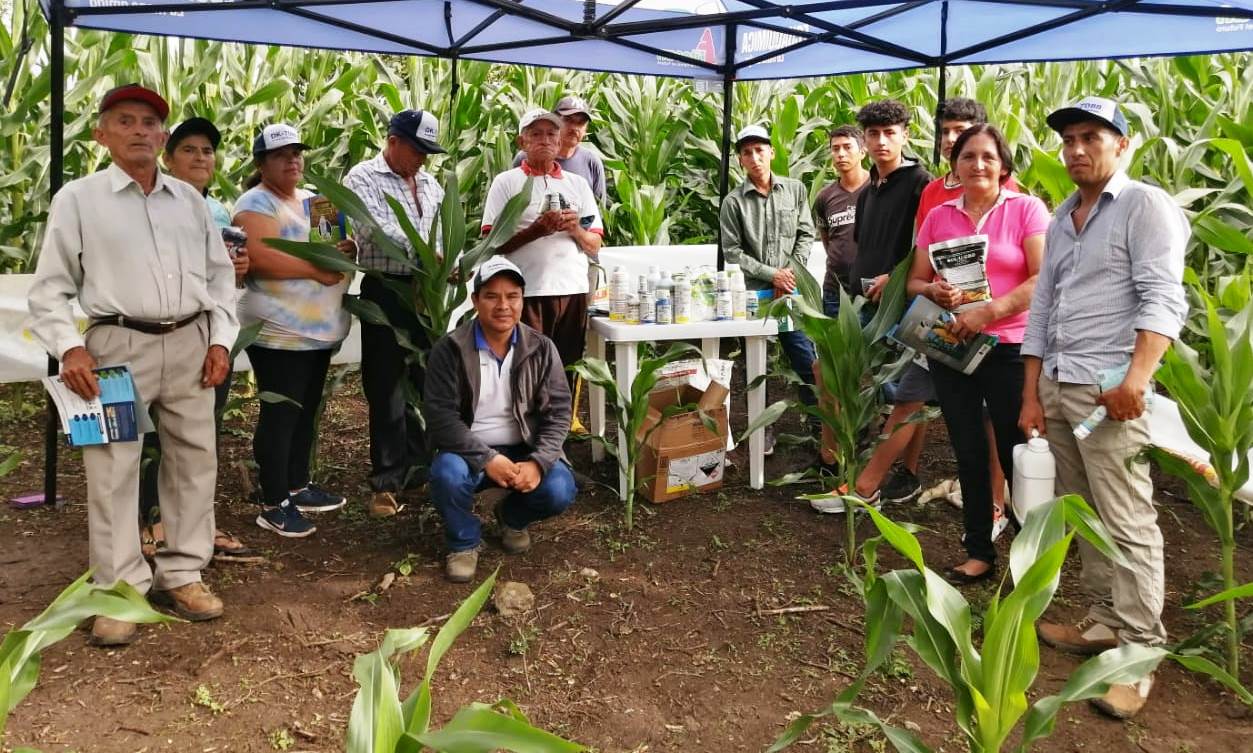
136,93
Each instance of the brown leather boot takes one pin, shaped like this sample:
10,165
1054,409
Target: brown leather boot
383,505
193,601
1085,637
459,567
1123,701
106,631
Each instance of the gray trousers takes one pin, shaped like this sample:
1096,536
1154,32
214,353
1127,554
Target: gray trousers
1127,599
167,370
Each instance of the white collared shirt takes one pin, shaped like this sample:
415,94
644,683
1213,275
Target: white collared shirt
156,257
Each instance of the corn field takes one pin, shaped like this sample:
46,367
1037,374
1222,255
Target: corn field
1191,116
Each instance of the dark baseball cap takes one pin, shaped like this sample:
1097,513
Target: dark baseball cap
419,128
194,127
135,93
1100,109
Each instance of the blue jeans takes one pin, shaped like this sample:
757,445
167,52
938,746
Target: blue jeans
453,487
831,303
800,354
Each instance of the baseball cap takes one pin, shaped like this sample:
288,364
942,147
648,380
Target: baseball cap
751,133
497,265
419,128
538,114
194,127
1089,108
571,105
276,136
135,93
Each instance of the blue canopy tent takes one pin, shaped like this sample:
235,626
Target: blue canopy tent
718,40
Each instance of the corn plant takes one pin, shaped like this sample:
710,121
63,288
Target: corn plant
437,288
1214,391
21,650
630,410
854,363
989,682
381,723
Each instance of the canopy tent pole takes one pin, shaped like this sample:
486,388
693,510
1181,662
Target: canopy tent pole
942,87
56,120
728,101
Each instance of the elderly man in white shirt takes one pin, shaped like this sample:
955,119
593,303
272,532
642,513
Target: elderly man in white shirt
141,253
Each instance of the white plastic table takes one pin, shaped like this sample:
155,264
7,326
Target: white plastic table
625,338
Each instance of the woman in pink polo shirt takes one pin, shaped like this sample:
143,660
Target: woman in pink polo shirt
1015,225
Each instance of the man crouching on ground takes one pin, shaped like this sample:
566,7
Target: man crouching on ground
497,413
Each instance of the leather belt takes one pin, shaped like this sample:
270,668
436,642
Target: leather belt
147,327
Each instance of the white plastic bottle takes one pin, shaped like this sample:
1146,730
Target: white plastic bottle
633,309
1034,473
682,299
665,309
723,310
654,278
648,308
619,289
739,293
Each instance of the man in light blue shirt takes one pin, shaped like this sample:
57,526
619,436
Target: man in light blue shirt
1109,296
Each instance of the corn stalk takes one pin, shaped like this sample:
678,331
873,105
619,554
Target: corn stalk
1214,391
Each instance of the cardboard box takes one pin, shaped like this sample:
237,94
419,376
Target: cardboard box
679,454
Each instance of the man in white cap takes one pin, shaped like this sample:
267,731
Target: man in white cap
1109,298
576,115
497,412
557,232
767,230
141,253
398,452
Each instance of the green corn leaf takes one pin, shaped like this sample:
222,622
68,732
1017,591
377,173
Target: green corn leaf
417,711
1201,665
1125,664
1239,592
771,414
479,730
320,255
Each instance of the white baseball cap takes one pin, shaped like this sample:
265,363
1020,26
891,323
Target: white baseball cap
1089,108
497,265
538,114
276,136
752,133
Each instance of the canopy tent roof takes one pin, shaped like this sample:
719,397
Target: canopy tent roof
762,39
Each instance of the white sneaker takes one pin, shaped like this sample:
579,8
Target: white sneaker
835,503
999,523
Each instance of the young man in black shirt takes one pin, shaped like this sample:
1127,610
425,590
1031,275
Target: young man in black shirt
884,232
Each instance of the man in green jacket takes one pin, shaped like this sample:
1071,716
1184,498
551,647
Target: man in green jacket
767,230
497,414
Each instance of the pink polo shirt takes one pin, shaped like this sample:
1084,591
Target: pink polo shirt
1014,218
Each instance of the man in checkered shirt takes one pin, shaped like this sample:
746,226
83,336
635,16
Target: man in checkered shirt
398,448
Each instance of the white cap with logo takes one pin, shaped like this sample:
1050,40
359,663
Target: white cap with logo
752,133
536,115
276,136
497,265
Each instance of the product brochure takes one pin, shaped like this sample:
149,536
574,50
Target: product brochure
326,223
925,328
118,415
962,262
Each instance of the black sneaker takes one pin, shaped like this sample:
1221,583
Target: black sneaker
285,520
314,498
901,485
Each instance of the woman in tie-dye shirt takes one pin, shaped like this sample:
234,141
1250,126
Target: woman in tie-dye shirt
302,320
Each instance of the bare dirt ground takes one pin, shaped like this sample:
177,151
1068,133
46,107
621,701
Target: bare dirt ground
670,647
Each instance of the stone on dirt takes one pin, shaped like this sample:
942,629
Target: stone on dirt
513,598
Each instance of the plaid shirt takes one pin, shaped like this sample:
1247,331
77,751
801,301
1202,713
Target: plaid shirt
373,181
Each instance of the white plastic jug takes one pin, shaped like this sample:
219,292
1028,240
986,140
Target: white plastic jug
1034,473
